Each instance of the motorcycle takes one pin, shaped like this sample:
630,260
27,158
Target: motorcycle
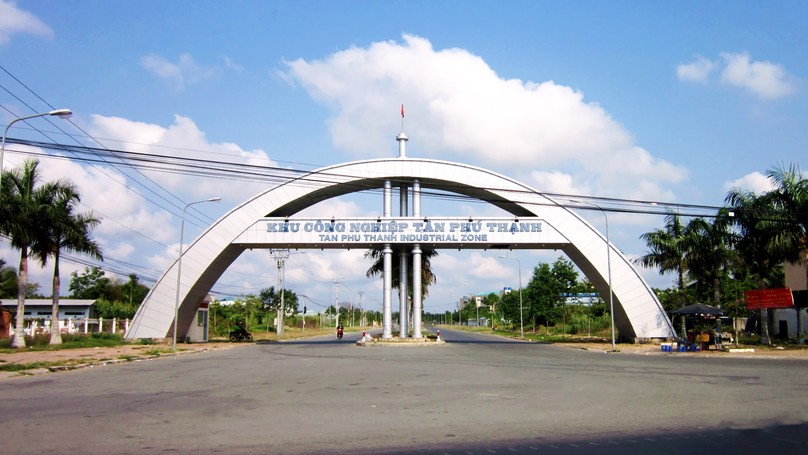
240,335
339,334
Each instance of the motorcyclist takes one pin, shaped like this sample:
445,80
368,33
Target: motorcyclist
339,330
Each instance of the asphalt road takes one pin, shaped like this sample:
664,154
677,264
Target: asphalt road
478,394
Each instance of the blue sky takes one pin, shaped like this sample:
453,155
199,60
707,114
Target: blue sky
673,102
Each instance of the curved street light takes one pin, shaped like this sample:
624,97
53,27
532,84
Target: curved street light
475,305
521,317
179,266
608,262
63,113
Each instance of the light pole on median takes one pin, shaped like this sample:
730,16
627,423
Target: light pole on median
179,266
475,305
63,113
608,263
521,317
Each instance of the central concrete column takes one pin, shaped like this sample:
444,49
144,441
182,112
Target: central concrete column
403,330
403,294
387,296
416,265
387,274
416,291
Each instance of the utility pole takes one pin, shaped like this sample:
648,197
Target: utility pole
280,257
336,300
304,313
360,306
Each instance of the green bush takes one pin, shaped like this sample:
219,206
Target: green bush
69,341
105,336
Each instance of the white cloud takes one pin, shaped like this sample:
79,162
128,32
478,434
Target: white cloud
756,182
14,20
229,63
105,190
335,207
185,71
182,138
458,106
765,79
696,70
556,182
122,251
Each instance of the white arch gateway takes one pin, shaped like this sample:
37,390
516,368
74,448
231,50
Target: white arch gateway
264,222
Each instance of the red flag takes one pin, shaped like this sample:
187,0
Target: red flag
402,111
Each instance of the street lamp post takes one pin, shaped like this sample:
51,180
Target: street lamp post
337,281
475,305
179,266
63,113
521,317
608,263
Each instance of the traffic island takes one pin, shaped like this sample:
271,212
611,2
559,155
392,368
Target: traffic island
427,340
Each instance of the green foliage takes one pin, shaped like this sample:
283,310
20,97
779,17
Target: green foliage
117,309
69,341
579,323
113,298
427,277
548,290
270,299
256,313
8,281
508,308
92,284
28,366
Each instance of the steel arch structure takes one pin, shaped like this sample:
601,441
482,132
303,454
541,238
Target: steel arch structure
638,313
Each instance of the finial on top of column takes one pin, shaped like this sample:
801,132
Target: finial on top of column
402,138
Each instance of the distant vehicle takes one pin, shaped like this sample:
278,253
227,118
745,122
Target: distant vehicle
240,335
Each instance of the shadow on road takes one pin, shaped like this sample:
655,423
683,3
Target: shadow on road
779,438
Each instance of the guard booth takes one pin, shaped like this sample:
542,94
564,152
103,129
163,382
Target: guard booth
198,329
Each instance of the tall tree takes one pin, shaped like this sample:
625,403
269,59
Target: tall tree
25,203
66,231
711,251
757,220
790,199
427,277
8,280
566,280
669,252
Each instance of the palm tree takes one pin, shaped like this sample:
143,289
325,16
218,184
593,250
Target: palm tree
24,205
669,252
758,220
427,277
8,280
710,250
790,198
70,232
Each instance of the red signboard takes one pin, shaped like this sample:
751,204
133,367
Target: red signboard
769,298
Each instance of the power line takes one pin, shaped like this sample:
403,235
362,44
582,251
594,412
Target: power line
67,149
318,179
99,143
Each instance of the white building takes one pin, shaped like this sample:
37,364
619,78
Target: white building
785,320
43,308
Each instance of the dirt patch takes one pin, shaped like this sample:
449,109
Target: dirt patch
70,358
790,352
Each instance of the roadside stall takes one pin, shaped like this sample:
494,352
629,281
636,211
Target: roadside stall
701,319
